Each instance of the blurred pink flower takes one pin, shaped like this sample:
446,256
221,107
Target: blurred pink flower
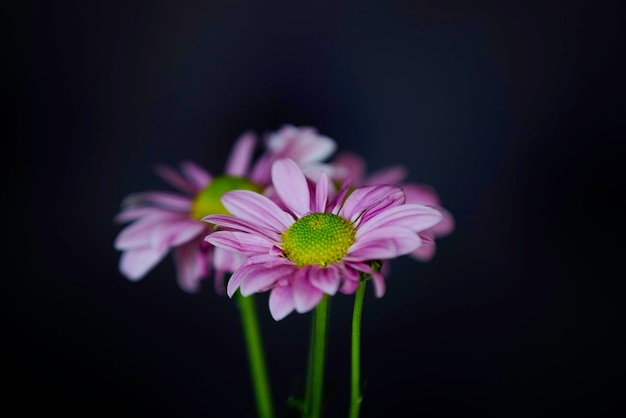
161,221
352,167
321,243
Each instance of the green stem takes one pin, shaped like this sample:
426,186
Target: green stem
355,384
256,358
309,370
315,389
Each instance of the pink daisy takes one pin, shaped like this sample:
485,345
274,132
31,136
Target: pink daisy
164,222
350,166
304,145
319,242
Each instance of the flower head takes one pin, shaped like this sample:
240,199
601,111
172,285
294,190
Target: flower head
317,241
350,166
163,222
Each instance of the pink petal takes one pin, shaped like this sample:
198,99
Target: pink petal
228,221
350,286
351,167
372,199
383,243
225,261
425,252
303,145
191,265
325,279
414,217
240,156
241,242
165,200
265,278
379,285
139,233
313,171
305,295
446,226
137,212
175,179
420,193
377,277
391,175
254,265
340,197
321,193
312,147
260,171
291,186
176,232
196,175
257,209
135,263
281,302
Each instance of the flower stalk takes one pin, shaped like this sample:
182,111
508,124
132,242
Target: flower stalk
317,352
355,382
256,356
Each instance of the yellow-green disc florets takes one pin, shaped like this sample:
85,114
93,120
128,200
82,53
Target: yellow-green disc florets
318,238
207,201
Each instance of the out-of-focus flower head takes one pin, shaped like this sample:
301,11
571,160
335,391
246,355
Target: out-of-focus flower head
350,166
161,222
318,241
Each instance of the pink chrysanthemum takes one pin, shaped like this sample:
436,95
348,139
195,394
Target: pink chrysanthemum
321,243
350,166
164,221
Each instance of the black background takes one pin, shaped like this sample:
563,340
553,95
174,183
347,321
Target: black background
513,111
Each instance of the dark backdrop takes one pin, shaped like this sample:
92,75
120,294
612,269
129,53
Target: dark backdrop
513,111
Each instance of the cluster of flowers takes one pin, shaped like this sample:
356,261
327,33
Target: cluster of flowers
299,221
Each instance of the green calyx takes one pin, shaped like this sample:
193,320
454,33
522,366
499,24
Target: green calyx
207,201
318,238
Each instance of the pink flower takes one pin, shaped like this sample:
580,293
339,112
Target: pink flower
164,221
304,145
350,166
320,243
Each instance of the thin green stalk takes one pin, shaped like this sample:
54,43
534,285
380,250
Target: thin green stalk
355,384
256,357
315,381
309,370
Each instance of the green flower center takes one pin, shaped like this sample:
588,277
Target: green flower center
207,201
318,238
